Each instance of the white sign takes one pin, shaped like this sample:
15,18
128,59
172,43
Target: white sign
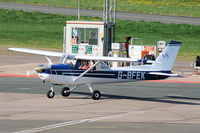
135,52
161,44
81,50
119,46
94,50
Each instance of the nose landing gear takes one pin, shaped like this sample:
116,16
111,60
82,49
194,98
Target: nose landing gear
51,93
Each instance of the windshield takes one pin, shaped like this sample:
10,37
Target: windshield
67,59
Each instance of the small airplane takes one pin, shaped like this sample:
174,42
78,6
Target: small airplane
70,73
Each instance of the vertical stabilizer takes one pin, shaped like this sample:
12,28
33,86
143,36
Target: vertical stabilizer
166,59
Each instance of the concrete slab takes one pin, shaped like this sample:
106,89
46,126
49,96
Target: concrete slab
146,103
35,107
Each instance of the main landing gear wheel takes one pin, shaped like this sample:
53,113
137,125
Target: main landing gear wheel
65,92
50,94
96,95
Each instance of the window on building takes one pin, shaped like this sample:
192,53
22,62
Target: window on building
85,35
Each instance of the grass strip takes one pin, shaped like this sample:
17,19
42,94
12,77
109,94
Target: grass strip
23,29
190,8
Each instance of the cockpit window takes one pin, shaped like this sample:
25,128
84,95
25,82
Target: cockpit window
85,65
82,64
67,60
104,65
101,65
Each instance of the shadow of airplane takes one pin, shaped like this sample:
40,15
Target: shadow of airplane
180,97
165,99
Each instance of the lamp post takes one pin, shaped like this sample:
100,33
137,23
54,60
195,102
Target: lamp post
78,4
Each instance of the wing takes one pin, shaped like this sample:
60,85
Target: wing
38,52
82,57
165,74
104,58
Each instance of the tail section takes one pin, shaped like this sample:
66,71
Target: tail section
166,59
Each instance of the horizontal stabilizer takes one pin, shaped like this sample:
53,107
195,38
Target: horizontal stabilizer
165,74
38,52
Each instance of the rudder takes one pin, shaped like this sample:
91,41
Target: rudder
167,58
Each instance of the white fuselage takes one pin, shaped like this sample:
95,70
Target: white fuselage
111,75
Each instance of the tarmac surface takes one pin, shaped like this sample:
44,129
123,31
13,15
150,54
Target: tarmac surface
96,13
144,107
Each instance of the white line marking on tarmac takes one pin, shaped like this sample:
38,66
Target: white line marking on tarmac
24,88
63,124
114,116
174,95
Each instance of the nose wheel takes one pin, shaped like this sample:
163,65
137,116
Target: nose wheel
51,93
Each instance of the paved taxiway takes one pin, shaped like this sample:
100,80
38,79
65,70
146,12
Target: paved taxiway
125,107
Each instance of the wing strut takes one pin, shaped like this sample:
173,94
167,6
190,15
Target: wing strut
49,60
86,71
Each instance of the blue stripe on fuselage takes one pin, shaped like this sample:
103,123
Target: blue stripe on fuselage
138,75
